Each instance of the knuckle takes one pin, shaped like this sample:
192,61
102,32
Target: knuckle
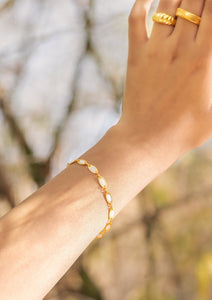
136,15
202,58
133,18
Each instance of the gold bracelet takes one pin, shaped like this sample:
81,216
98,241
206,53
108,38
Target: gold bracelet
108,197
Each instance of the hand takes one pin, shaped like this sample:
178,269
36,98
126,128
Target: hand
168,94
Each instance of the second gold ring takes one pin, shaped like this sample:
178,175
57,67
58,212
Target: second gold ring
164,18
187,15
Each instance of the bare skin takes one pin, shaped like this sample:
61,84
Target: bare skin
167,111
168,94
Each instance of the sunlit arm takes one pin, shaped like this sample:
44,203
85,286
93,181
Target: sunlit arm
42,237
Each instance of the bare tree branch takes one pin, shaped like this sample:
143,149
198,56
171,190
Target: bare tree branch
7,5
5,189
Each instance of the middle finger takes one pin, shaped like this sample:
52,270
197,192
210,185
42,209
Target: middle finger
169,7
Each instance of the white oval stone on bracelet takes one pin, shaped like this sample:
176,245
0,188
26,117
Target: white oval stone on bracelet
108,227
93,169
111,214
99,236
108,198
102,181
81,162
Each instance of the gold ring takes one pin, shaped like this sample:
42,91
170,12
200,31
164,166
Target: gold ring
188,16
163,18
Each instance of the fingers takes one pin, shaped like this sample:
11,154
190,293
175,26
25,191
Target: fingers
137,25
205,28
169,7
186,30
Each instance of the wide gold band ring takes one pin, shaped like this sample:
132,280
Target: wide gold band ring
188,16
163,18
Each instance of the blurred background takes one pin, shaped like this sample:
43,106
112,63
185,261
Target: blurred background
62,63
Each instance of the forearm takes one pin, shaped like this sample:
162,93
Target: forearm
43,236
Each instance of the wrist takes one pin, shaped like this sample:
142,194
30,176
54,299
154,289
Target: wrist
160,148
127,164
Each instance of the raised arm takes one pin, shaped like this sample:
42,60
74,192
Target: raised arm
167,111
